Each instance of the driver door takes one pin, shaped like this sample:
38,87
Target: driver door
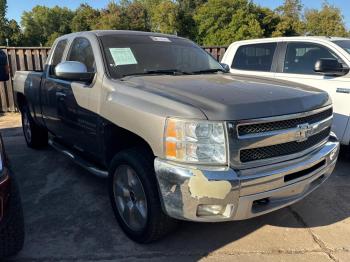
80,124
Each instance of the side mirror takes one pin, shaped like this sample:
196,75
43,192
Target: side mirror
4,67
330,67
73,71
226,67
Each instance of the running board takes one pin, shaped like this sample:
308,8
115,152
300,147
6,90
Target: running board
79,160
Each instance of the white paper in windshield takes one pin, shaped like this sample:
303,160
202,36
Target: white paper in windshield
123,56
160,39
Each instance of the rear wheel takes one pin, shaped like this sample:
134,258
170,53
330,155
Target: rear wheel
35,136
12,228
135,199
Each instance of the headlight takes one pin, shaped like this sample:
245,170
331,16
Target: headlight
200,142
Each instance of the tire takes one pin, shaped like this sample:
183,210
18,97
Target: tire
12,226
35,136
156,224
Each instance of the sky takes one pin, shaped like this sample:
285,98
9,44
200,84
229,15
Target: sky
16,7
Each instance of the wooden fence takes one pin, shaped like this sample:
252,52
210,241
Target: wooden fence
33,58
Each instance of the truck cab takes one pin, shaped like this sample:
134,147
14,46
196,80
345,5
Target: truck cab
321,62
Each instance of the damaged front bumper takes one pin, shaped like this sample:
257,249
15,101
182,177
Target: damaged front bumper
223,194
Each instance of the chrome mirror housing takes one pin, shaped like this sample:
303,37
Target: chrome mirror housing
73,71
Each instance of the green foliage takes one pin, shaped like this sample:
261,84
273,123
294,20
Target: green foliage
134,16
290,19
187,26
209,22
110,17
85,18
164,17
327,22
220,22
42,22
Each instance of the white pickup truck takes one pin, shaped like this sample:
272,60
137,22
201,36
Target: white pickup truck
321,62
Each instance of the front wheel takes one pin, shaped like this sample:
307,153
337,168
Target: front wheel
35,136
135,199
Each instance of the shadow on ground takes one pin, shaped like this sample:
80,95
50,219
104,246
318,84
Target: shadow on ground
68,215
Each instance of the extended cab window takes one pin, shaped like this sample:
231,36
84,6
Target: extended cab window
58,55
256,57
81,51
302,57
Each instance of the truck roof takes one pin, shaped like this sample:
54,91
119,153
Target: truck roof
298,38
118,32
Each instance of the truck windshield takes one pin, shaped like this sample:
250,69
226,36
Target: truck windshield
146,54
345,44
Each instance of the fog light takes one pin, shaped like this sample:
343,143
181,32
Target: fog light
215,210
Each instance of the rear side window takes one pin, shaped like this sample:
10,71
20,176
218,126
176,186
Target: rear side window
256,57
81,51
302,57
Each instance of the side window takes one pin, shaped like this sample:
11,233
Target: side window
81,51
302,57
58,54
256,57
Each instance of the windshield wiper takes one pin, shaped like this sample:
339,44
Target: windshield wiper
209,71
160,72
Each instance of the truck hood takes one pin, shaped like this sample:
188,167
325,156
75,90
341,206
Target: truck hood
234,97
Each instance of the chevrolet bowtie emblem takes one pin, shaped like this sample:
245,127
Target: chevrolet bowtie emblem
304,132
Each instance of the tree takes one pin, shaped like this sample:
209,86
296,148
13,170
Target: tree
110,17
187,26
13,33
135,16
42,22
290,19
164,17
220,22
268,19
3,21
326,22
85,18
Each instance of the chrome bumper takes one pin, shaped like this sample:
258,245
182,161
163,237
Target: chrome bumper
186,191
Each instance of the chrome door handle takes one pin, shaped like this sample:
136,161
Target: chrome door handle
343,90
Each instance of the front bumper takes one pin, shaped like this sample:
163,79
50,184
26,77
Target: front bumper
241,194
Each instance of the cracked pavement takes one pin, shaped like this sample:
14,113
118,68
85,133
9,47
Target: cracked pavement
69,218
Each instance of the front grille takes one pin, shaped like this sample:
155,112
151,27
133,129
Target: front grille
248,155
283,124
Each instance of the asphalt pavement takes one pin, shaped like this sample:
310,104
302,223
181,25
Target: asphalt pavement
68,218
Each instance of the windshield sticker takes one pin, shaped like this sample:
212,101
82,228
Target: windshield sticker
123,56
160,39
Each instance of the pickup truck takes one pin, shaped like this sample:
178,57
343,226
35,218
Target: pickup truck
321,62
177,136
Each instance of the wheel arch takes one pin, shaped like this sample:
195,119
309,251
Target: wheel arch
117,139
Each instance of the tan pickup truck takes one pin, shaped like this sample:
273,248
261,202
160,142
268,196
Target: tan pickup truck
177,136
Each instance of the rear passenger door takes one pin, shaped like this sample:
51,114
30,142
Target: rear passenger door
297,65
255,59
